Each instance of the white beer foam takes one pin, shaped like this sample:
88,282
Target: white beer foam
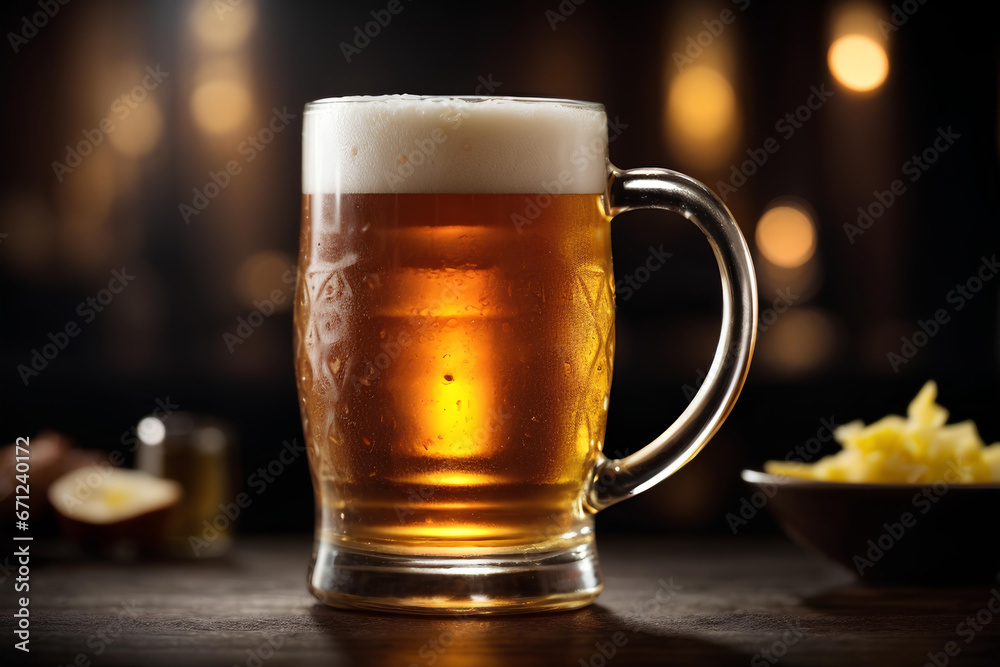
407,144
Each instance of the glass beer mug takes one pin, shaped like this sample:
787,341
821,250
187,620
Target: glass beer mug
454,325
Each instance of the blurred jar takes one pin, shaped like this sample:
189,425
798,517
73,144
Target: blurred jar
200,453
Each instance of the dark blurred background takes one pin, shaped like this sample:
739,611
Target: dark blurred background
188,86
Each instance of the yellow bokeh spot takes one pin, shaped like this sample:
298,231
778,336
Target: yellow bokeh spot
137,133
798,341
701,104
786,236
220,106
221,25
858,62
260,274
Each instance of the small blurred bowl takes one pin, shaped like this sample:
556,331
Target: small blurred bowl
950,537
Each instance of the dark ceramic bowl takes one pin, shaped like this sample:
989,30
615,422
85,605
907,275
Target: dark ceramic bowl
940,535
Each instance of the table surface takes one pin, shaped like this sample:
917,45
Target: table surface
666,601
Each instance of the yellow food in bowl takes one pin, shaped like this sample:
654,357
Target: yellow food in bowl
921,448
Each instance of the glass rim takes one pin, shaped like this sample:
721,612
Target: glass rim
327,103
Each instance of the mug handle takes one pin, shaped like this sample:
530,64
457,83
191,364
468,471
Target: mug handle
615,480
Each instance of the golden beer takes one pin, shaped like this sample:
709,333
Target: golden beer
454,338
454,356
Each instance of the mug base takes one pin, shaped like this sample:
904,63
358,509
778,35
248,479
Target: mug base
352,578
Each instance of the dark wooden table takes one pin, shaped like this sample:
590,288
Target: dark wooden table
685,602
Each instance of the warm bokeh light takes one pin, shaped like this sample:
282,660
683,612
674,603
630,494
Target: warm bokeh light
139,132
786,236
797,341
88,193
701,116
701,103
858,62
85,204
263,272
220,106
221,26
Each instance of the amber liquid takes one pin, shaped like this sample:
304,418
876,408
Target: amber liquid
453,357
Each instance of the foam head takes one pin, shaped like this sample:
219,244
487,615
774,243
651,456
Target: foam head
406,144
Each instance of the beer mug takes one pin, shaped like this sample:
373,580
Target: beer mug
454,340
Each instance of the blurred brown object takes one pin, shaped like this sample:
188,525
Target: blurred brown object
197,452
51,455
